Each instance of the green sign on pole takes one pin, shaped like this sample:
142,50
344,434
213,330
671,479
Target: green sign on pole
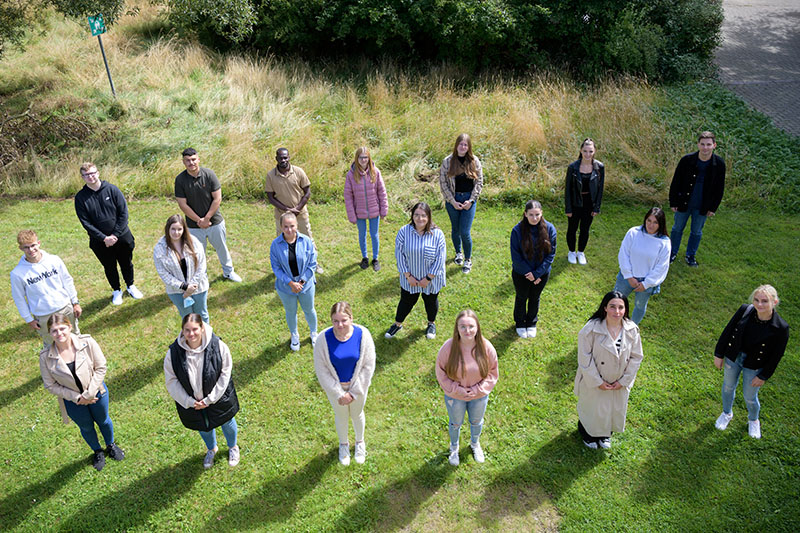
97,24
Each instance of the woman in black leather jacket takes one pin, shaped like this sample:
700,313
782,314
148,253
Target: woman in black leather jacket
583,194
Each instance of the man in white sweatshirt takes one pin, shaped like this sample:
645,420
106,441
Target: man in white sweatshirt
42,287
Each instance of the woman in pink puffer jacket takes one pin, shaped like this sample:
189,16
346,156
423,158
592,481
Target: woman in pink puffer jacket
365,200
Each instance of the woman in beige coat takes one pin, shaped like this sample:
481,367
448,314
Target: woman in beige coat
73,368
344,359
609,355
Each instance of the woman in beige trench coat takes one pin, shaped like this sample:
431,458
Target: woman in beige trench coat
609,355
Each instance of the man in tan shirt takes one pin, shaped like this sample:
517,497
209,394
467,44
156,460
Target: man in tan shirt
288,189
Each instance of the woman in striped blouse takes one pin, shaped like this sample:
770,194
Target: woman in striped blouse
420,254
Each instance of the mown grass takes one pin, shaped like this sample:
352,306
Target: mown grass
669,471
236,110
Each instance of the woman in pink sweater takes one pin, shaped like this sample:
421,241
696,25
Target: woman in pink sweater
466,368
365,200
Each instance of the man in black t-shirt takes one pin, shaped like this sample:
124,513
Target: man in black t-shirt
199,194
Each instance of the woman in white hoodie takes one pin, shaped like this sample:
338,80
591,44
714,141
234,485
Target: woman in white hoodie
344,359
197,370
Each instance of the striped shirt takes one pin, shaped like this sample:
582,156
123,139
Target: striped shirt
420,255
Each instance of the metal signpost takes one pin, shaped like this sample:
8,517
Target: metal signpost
98,27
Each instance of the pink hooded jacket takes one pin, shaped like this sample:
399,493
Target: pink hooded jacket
366,199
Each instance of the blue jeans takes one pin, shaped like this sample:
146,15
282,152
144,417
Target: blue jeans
86,416
229,429
200,306
456,410
373,235
640,298
461,223
695,232
730,379
306,300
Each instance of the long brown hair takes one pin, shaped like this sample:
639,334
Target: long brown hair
455,360
468,167
370,170
186,238
430,226
56,319
543,244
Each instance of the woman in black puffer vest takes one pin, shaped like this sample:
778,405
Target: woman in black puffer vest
198,376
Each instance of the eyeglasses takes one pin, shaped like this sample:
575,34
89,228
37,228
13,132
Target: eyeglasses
88,174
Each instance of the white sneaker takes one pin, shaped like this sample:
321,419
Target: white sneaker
208,460
314,336
294,344
319,269
135,293
532,332
477,452
361,452
581,258
116,297
233,276
233,456
522,332
344,454
452,458
754,428
572,257
723,420
459,259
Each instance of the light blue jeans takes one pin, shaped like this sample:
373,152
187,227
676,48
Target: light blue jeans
730,379
456,409
200,305
695,231
229,429
306,300
640,298
361,223
216,235
461,223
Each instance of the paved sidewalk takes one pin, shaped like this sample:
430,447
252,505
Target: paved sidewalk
760,57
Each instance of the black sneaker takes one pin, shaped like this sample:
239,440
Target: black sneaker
376,265
691,261
672,257
393,331
431,331
115,452
98,460
364,263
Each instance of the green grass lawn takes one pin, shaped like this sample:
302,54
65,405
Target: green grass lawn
670,470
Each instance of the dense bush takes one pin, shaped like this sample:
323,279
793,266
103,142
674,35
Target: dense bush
660,39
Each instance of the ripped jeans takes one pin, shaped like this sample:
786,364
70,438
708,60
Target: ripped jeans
456,409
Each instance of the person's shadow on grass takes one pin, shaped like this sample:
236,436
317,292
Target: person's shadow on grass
9,395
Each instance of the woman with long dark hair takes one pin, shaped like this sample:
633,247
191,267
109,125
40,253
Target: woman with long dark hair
74,369
181,264
752,344
583,194
644,260
461,181
533,247
420,252
197,370
609,355
466,368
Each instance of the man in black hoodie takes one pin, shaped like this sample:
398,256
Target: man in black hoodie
103,211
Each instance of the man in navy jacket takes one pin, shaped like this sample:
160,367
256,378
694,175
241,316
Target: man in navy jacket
696,191
103,212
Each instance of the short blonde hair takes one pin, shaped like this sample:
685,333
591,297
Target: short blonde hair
769,290
27,236
86,166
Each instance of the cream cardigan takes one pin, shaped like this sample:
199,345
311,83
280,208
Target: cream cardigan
362,375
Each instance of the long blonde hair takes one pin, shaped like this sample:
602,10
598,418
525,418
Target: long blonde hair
455,360
370,170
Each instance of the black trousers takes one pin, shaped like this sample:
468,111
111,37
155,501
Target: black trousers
109,256
589,438
581,216
409,299
526,303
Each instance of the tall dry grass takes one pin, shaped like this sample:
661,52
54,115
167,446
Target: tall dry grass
236,110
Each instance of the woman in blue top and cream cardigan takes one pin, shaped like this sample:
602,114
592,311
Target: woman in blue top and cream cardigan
294,259
644,260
